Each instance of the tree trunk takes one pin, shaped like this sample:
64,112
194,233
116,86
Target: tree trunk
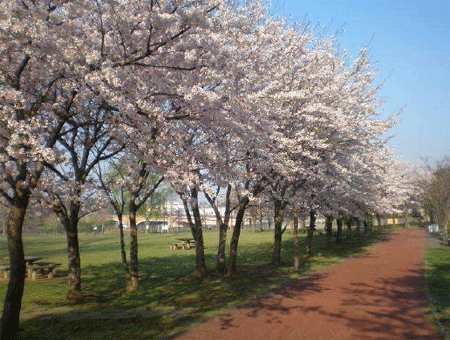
132,283
73,253
348,223
24,184
358,224
296,243
366,227
200,251
235,237
194,231
339,229
378,217
197,233
221,257
431,217
223,228
278,232
329,228
405,219
123,252
9,323
69,218
309,236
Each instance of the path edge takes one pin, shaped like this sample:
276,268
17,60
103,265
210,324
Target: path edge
442,330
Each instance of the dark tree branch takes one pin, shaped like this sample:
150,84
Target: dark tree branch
6,196
157,46
55,171
19,71
177,68
149,193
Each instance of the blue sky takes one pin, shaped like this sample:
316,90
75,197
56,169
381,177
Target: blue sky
410,45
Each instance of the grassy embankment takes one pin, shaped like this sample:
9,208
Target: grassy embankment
437,258
169,298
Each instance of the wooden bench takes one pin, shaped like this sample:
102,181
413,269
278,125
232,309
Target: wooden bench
181,245
42,268
175,245
4,271
188,245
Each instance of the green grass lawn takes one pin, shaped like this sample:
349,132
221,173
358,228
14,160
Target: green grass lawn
438,278
169,298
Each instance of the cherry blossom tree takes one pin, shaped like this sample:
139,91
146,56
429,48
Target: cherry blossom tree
87,141
330,117
140,191
55,57
226,124
37,95
128,184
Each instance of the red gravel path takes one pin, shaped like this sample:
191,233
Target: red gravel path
375,295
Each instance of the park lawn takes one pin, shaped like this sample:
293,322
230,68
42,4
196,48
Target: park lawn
170,295
438,278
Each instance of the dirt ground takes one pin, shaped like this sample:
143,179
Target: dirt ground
375,295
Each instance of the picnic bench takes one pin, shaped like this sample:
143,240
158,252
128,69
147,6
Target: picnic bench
182,243
42,268
175,245
5,268
33,268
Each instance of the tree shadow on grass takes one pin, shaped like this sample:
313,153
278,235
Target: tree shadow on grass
169,297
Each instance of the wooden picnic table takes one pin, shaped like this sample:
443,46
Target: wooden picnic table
188,242
42,268
33,267
29,259
185,243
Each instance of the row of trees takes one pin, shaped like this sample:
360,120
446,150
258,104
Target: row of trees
212,95
435,194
